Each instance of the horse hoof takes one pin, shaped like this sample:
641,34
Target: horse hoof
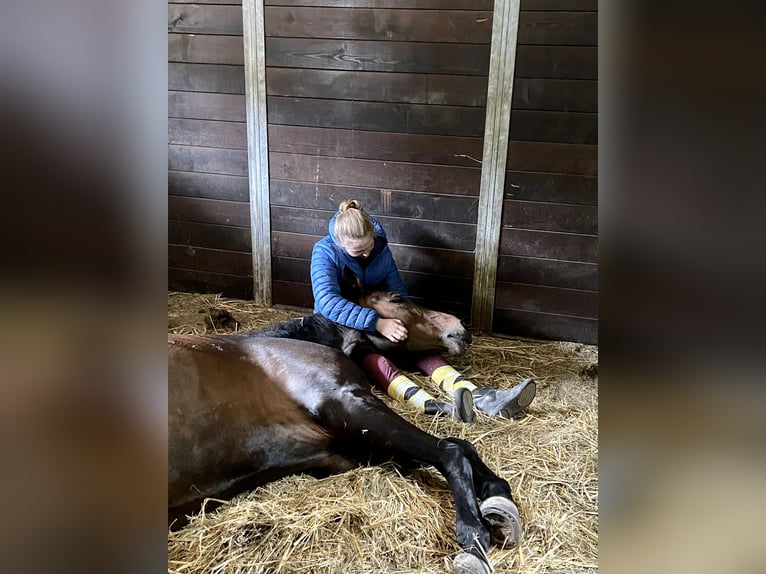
467,563
502,517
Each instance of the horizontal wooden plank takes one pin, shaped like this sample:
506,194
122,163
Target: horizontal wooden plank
210,236
564,62
234,213
532,271
207,133
378,86
292,294
560,5
575,159
559,127
208,185
205,19
556,5
545,326
542,299
581,219
204,49
205,282
211,260
445,262
207,160
219,78
423,233
413,148
555,95
549,245
378,174
202,106
392,117
397,25
415,4
457,209
552,187
239,2
414,57
558,28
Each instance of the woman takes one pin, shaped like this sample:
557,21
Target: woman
357,244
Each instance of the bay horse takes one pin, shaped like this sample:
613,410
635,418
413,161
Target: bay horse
247,409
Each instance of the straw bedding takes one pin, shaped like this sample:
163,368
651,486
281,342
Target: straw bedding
381,519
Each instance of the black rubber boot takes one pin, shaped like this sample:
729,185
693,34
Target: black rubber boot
462,410
505,403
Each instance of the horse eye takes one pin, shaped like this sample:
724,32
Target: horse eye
397,299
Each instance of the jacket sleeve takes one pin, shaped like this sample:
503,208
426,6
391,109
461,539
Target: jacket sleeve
327,298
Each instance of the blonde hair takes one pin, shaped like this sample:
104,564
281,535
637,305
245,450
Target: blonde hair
352,223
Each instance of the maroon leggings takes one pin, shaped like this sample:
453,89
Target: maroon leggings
382,371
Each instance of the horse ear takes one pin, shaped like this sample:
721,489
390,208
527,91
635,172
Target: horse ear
352,281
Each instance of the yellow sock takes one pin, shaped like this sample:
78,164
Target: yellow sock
449,380
404,390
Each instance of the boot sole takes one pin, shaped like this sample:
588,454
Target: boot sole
522,400
464,406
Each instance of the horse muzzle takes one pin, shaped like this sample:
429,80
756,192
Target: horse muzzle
457,342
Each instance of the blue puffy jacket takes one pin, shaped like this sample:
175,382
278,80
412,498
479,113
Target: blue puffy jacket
328,261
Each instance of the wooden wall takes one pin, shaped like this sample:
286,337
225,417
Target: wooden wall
387,106
548,274
208,205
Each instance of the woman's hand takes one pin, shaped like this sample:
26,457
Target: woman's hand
392,329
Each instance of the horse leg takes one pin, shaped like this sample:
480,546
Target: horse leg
497,506
363,418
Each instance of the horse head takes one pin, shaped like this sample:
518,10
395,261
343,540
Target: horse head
428,330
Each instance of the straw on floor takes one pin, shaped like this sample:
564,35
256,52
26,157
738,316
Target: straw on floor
379,519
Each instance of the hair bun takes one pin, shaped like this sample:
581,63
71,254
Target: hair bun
349,204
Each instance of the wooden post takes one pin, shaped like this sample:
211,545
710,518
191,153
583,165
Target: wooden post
257,148
502,59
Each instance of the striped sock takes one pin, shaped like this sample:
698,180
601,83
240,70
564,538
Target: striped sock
388,377
449,380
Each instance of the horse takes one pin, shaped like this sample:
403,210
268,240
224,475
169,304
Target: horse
247,409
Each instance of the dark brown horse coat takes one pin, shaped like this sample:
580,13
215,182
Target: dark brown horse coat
248,409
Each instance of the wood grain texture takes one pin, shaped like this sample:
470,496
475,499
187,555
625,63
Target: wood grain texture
549,245
545,326
205,282
207,133
397,25
208,185
420,233
544,299
377,86
202,106
199,210
552,157
560,127
555,95
412,4
411,57
219,78
205,19
551,187
457,209
558,28
210,260
206,49
207,160
386,117
378,174
533,271
563,62
386,146
210,236
543,216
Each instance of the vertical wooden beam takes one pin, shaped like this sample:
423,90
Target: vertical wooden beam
257,147
502,60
